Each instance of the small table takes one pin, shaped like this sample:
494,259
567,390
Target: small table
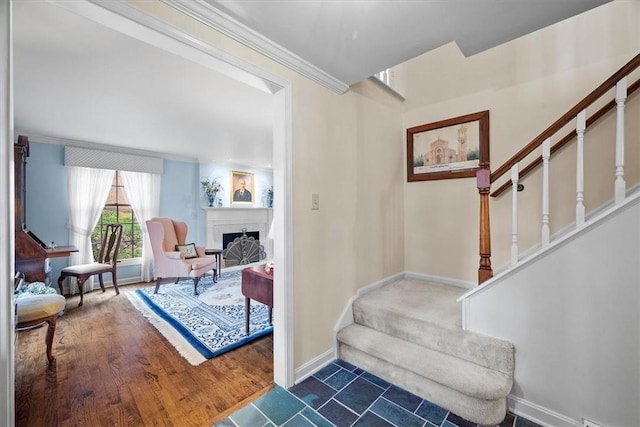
218,254
257,284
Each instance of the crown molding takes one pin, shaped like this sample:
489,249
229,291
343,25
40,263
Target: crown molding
214,18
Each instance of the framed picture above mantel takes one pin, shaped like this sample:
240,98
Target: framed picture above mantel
451,148
242,188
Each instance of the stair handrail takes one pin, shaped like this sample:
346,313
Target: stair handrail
608,84
484,176
566,139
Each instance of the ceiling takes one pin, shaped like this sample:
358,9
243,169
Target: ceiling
82,81
354,39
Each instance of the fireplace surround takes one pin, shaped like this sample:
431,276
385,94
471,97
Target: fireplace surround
225,220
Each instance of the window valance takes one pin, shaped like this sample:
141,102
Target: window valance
99,159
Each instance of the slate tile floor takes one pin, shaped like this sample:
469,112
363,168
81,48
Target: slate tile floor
343,395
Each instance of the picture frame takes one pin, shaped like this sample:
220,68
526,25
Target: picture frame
242,188
451,148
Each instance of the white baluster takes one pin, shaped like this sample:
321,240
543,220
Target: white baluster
514,214
546,154
621,96
581,125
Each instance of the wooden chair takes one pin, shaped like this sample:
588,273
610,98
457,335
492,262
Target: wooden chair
106,263
35,310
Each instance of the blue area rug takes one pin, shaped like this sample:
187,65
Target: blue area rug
204,326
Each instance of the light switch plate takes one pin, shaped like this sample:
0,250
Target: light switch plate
315,201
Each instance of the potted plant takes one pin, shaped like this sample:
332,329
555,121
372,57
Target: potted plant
211,188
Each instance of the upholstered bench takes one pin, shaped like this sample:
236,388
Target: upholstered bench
34,310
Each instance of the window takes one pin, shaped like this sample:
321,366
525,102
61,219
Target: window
118,210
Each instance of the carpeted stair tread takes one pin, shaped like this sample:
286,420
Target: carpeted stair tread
428,314
481,411
420,300
452,372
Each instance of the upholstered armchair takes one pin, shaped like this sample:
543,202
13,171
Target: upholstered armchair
172,257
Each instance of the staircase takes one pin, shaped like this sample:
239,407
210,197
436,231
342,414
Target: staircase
410,333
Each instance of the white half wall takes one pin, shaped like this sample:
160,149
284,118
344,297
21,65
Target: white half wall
573,315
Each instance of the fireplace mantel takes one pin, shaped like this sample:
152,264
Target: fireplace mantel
233,220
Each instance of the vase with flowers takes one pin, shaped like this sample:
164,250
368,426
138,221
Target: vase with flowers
268,194
211,187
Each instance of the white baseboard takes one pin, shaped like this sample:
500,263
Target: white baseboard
107,284
128,281
442,280
314,365
539,414
380,283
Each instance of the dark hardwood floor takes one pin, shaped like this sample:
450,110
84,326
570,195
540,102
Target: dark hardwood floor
113,368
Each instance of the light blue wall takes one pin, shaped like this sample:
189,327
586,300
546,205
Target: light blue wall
181,198
46,198
262,181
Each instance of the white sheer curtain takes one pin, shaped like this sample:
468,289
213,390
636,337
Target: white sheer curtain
143,192
88,190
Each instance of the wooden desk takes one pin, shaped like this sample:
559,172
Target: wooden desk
257,284
32,257
61,251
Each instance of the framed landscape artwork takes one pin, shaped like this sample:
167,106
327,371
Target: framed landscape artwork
452,148
242,188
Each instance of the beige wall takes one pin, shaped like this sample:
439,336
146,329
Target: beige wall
346,148
526,84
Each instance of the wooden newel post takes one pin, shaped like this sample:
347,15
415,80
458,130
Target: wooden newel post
483,179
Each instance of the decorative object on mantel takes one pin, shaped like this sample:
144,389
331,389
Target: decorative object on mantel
211,188
268,196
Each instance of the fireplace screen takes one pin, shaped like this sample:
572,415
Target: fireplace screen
244,249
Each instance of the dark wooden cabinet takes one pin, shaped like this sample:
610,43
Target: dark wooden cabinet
31,253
